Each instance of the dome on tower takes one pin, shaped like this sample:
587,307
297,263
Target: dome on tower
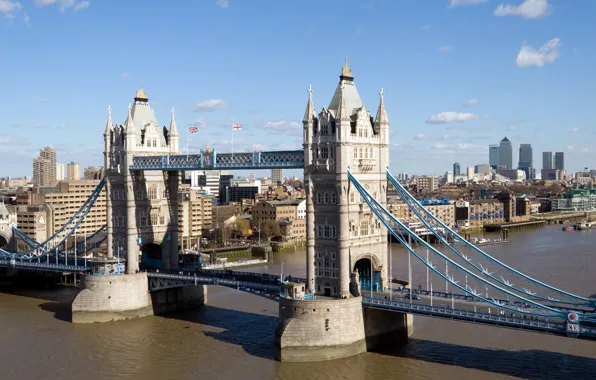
141,95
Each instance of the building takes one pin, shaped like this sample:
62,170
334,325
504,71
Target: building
575,200
44,210
483,211
8,219
482,169
456,169
560,161
194,215
445,212
526,161
293,230
277,210
552,175
548,161
277,176
506,153
426,184
73,171
93,172
470,173
44,167
493,156
60,172
211,180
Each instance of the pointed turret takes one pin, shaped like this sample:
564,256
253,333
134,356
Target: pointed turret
129,131
174,136
381,118
343,113
108,129
309,114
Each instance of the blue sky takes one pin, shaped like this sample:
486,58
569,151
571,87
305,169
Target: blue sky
457,74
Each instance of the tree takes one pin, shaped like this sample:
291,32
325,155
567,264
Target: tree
270,228
242,226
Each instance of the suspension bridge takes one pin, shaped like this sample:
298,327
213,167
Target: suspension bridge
349,273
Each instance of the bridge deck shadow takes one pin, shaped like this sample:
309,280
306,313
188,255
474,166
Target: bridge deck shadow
524,364
253,332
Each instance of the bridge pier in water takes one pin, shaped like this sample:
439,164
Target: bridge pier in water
346,245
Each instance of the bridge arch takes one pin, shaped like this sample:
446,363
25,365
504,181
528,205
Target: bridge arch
369,271
151,256
5,240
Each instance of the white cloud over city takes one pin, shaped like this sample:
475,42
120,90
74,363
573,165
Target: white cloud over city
450,117
527,9
529,56
211,105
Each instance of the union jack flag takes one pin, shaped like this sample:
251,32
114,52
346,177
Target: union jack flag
193,129
237,127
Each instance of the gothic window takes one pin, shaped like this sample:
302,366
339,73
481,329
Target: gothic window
320,232
333,233
154,217
355,152
364,227
162,220
333,127
143,218
331,152
324,152
326,198
327,262
327,232
365,130
371,153
155,143
333,199
324,129
139,193
164,193
353,196
365,152
319,197
152,192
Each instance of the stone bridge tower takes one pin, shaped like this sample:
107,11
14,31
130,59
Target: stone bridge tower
8,219
142,207
343,235
343,238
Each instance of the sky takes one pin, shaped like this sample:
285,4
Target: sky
457,75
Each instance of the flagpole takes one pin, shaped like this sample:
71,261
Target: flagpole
233,130
187,138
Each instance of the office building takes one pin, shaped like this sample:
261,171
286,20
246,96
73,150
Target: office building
73,171
277,176
456,169
506,153
44,167
59,172
560,161
548,161
482,169
526,162
93,172
493,156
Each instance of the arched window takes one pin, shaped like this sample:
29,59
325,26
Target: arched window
333,198
152,192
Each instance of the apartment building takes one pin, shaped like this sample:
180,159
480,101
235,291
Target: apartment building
444,212
276,210
194,215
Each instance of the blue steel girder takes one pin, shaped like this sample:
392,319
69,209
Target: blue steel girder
286,159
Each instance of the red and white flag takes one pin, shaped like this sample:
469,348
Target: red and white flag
237,127
193,129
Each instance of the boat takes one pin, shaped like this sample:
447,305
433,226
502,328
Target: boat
568,228
583,226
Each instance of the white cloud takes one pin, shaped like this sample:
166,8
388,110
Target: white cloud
450,117
82,5
547,53
8,7
570,147
471,102
211,105
446,48
63,126
199,123
42,100
422,136
64,4
425,27
574,130
283,125
27,20
527,9
222,3
440,146
454,3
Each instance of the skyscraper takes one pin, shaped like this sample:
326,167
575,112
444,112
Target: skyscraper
277,176
560,161
59,172
73,171
44,167
506,154
493,156
547,160
456,169
526,161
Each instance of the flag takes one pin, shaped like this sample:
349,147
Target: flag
193,129
237,127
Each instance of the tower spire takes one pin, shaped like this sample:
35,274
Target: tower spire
342,112
173,129
129,127
109,122
346,72
381,118
309,114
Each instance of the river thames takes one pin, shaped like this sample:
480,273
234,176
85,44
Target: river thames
232,337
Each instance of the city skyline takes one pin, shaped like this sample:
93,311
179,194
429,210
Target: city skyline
456,92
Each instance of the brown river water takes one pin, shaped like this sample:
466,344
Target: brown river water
232,337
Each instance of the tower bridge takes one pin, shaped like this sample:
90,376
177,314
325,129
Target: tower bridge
347,303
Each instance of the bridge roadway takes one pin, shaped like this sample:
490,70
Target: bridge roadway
443,305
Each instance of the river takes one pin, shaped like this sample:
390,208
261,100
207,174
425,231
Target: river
232,337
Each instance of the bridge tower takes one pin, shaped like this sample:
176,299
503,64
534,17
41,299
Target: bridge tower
343,238
8,219
142,206
342,234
